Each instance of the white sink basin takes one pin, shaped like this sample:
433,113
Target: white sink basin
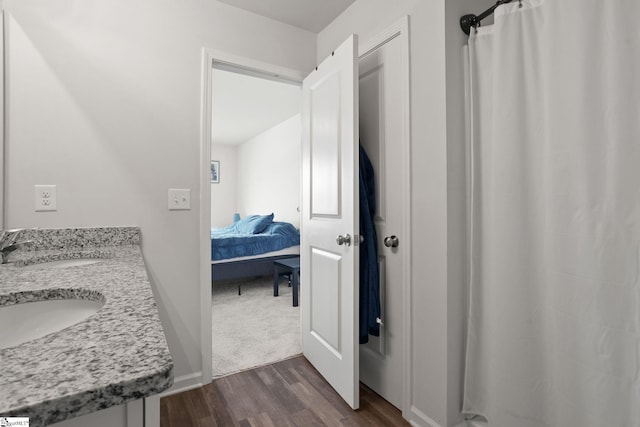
27,321
64,263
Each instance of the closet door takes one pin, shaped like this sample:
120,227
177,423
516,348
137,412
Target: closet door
382,128
329,249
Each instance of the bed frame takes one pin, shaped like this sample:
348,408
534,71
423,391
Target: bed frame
246,268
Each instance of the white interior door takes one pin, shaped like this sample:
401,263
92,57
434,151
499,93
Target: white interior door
329,269
381,135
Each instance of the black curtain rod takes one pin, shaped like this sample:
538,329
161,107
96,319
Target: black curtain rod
471,20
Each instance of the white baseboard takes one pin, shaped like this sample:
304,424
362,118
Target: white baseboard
184,383
420,419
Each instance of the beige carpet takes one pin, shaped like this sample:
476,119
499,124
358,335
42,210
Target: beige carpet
254,328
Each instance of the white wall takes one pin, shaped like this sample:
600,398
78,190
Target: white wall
224,195
269,173
430,356
104,101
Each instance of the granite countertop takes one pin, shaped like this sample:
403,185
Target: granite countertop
117,355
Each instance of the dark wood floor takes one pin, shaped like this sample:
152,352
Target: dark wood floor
287,393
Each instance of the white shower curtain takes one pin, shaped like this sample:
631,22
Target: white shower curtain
554,305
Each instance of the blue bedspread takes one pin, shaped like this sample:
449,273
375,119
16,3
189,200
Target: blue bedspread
228,242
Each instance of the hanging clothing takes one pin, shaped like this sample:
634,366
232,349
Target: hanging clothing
369,274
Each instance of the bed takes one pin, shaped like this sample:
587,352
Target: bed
248,247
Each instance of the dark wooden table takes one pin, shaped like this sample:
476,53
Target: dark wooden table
290,266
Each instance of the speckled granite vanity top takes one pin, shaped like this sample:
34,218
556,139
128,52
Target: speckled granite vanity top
116,355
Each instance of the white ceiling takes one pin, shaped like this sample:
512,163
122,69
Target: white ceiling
311,15
245,106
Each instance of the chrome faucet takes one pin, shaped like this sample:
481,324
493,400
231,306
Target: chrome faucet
9,242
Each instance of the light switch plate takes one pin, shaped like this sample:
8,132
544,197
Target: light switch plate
179,199
45,198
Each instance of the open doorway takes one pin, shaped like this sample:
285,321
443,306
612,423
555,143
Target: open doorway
255,220
384,89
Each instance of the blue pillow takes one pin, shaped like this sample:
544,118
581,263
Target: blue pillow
254,224
282,229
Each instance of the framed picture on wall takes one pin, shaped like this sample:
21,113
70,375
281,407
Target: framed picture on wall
215,171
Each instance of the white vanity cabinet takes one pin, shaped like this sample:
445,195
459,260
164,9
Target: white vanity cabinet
139,413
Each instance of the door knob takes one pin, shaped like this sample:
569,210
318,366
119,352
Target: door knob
343,240
391,241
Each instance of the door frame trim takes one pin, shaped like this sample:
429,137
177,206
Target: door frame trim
400,29
211,59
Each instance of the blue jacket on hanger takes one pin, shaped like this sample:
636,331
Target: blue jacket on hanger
369,274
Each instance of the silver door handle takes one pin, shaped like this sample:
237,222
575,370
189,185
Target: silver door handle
343,240
391,241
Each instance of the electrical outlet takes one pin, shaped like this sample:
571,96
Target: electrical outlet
179,199
45,198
